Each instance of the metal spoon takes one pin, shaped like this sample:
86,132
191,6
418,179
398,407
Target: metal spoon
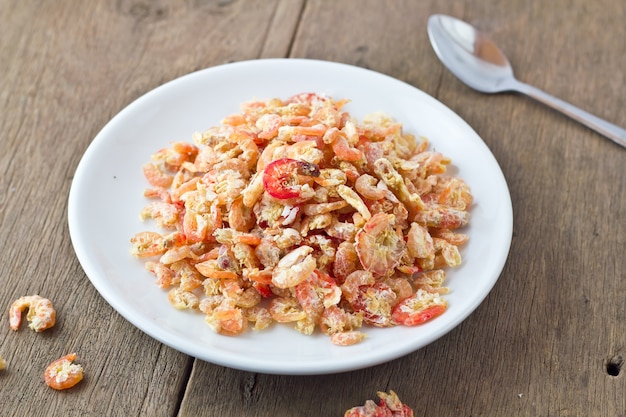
479,63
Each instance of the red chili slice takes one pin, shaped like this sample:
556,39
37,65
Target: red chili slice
281,177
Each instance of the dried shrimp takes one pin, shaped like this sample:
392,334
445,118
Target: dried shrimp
41,314
62,373
389,405
294,212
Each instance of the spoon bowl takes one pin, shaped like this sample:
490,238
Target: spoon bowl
480,64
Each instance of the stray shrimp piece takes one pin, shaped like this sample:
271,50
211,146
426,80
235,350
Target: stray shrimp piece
379,245
347,338
419,308
281,177
294,267
389,405
62,373
3,364
41,314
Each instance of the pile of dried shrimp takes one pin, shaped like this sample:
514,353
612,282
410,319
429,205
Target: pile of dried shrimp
335,222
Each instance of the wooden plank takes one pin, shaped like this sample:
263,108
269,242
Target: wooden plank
282,29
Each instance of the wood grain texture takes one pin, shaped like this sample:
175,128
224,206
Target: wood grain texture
548,339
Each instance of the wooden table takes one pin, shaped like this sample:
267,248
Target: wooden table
549,340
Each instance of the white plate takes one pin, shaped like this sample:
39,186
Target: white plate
106,197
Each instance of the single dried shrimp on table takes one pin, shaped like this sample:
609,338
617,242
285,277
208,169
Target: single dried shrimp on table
62,373
294,212
389,405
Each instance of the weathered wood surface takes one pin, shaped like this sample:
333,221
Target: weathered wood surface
547,341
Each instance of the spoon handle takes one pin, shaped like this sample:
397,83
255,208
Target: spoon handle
611,131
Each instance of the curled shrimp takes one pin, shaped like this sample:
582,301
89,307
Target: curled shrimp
294,267
388,405
156,175
41,314
366,186
62,373
379,245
